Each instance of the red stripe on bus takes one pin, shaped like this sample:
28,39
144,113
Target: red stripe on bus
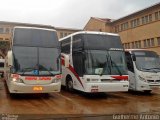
73,71
120,77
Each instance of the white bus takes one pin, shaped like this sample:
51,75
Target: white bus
33,64
143,69
93,62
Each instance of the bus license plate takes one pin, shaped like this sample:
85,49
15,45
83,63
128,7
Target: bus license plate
37,88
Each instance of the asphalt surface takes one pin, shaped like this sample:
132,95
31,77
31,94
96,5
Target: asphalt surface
77,105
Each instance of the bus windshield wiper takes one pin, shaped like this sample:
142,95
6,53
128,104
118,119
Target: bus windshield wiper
41,67
27,70
112,62
106,64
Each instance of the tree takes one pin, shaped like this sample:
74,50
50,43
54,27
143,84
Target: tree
4,47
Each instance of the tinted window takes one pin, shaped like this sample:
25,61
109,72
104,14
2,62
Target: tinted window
49,58
35,37
25,57
46,60
1,64
78,63
129,62
77,43
65,45
100,42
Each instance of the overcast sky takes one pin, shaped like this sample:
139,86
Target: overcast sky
67,13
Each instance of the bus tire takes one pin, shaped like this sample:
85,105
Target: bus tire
147,91
2,75
69,84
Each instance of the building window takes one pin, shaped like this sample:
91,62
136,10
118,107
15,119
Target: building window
158,40
1,30
61,35
7,39
132,44
145,43
69,33
146,19
7,30
122,27
156,15
148,43
136,44
139,44
138,22
150,17
134,23
116,29
152,42
1,39
65,34
128,45
126,25
125,45
143,20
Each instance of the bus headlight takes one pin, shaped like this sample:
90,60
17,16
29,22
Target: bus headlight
17,80
57,78
142,79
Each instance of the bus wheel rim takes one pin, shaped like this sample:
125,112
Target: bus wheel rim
70,84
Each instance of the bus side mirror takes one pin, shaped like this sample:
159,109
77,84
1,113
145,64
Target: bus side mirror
65,58
10,58
134,57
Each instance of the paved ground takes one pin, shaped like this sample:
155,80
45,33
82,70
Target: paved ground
78,104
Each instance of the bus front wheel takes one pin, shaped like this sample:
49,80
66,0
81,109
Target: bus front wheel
147,91
69,85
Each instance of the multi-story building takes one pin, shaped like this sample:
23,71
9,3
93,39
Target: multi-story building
137,30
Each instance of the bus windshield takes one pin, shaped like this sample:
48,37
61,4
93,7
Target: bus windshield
29,59
147,61
105,62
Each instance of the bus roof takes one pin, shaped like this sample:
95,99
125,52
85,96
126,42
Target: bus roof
89,32
34,28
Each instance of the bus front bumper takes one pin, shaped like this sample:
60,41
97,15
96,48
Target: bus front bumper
15,87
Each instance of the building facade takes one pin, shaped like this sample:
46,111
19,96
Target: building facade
137,30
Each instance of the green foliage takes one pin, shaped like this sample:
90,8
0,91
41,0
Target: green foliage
4,45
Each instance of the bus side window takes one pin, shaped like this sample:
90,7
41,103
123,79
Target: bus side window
65,45
77,55
129,62
78,62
